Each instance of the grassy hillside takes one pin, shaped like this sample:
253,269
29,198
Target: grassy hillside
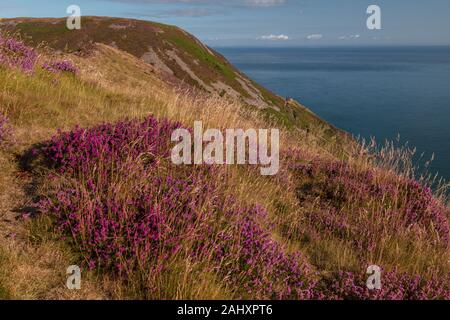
86,180
177,56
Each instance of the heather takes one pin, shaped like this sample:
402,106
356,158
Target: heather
111,201
15,54
129,215
369,216
129,211
60,66
356,204
395,286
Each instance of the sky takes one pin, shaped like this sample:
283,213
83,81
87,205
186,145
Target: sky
270,22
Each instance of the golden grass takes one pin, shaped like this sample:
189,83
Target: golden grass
114,85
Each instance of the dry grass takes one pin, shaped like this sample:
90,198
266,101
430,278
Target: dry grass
114,85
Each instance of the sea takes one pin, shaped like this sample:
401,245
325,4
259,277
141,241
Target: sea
379,92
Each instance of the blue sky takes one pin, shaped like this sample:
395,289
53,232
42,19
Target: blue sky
270,22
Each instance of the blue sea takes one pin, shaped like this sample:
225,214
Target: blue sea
379,92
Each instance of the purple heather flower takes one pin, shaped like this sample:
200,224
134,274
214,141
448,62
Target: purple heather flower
16,54
60,66
168,211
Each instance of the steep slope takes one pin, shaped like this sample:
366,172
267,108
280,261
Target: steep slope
309,232
177,56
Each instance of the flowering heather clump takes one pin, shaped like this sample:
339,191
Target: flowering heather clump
359,206
129,210
394,286
60,66
109,143
365,213
247,250
421,208
16,54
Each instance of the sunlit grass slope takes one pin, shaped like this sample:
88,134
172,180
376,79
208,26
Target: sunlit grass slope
106,196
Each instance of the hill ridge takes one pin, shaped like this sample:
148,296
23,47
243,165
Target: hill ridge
175,53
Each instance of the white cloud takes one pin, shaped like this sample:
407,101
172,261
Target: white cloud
264,3
274,37
350,37
253,3
314,36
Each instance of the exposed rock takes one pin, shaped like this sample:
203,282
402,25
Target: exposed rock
184,66
222,87
256,99
151,57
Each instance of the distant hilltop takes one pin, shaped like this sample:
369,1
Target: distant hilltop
176,56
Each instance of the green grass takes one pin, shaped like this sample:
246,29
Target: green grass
196,51
42,31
